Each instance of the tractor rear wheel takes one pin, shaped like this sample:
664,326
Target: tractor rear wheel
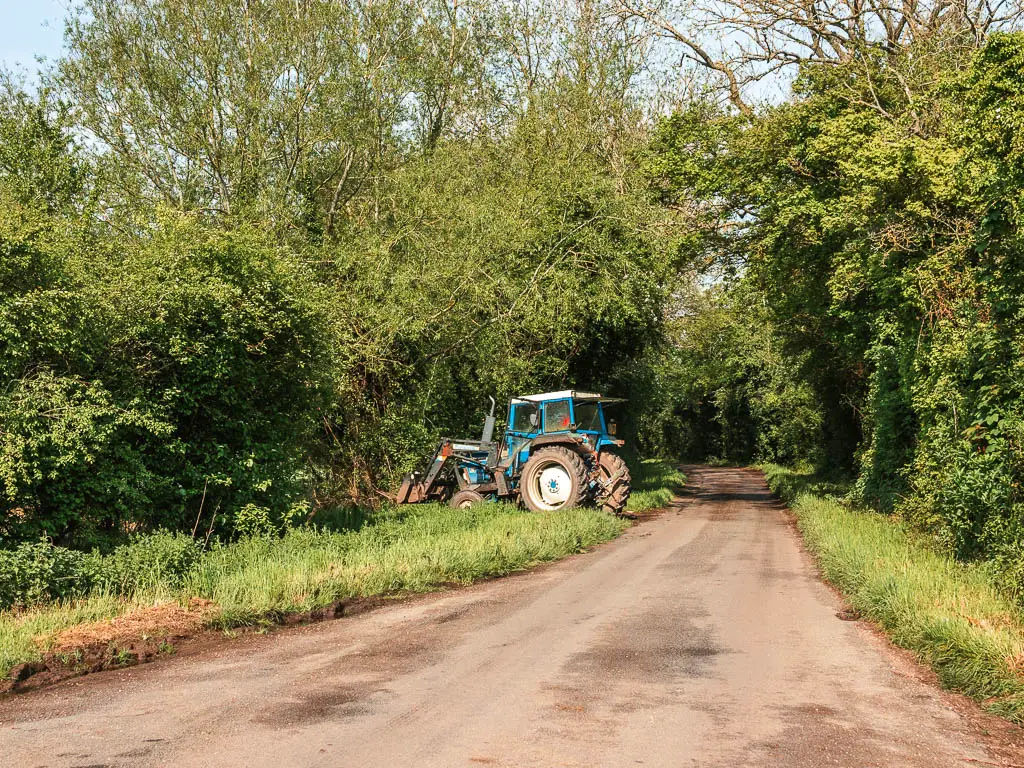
465,499
612,469
554,478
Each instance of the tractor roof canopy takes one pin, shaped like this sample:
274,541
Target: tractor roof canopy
566,394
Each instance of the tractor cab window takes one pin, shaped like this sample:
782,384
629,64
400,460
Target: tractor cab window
588,416
556,416
524,417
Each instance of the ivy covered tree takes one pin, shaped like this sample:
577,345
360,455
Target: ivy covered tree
882,235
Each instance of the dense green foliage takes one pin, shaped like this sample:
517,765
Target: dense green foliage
721,387
142,375
35,573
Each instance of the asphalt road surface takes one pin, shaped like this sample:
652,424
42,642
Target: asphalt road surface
700,638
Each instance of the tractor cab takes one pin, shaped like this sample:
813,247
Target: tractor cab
553,413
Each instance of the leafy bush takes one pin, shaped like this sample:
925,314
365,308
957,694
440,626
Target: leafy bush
161,560
37,572
178,374
251,520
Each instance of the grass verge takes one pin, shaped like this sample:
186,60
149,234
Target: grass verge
262,580
654,486
951,615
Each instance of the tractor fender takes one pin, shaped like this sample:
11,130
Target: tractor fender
575,442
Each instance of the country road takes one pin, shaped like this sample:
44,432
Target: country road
702,637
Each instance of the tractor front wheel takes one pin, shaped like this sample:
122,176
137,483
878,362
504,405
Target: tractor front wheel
554,478
614,476
465,499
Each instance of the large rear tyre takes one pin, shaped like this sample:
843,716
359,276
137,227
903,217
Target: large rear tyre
613,474
554,478
465,499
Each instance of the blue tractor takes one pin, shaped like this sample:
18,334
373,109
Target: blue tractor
559,451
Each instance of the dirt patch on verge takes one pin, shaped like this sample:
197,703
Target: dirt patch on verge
148,634
161,620
123,641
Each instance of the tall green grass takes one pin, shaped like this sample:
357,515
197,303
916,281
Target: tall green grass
429,547
399,550
655,483
950,614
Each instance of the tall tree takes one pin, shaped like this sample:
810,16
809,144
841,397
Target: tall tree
888,45
247,106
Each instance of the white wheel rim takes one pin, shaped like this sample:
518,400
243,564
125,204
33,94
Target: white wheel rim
553,486
466,504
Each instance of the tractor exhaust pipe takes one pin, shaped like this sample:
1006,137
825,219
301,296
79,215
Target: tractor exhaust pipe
489,422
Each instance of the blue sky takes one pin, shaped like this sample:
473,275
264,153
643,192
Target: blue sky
30,28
